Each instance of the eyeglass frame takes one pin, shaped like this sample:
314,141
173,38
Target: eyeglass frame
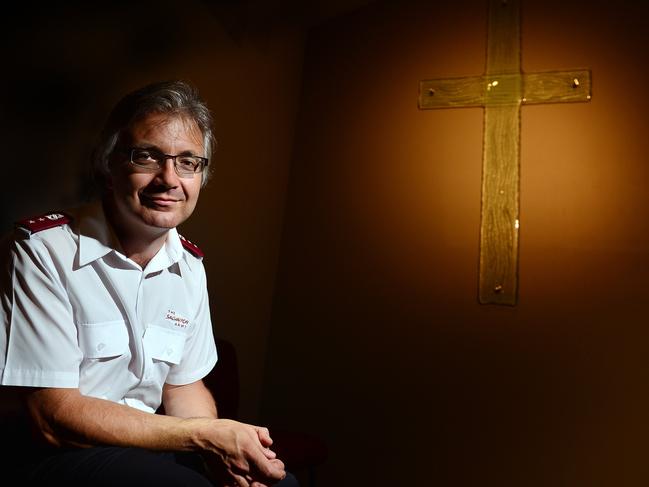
161,158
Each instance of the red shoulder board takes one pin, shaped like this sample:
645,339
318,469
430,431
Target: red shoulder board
191,247
43,222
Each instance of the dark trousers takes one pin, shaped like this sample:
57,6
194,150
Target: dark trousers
122,467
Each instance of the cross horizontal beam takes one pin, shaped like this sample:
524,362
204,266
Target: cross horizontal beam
503,89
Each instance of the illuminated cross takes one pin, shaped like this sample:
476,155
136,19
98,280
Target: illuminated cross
501,91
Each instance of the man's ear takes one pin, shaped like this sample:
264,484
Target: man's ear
107,182
107,175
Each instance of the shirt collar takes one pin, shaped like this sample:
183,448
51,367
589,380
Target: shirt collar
170,253
96,239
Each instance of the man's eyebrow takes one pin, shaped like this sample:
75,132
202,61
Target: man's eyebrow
146,146
155,148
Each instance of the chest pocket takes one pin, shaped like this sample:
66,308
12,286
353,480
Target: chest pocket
103,340
164,344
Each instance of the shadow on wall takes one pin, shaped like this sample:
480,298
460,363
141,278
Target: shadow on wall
40,120
68,65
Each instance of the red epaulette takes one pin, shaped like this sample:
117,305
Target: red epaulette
43,222
191,247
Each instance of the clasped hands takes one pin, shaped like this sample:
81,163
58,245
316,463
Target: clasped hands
239,455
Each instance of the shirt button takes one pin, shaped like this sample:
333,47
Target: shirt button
100,347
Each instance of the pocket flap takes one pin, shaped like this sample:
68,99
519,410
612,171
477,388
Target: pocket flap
106,339
164,344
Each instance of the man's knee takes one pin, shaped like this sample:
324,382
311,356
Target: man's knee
111,466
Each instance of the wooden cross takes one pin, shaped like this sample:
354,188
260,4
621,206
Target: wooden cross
501,91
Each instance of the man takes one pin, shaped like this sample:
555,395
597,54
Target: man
106,318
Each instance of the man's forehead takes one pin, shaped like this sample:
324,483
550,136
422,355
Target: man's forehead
171,125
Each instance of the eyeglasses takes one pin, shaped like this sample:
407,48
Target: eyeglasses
185,166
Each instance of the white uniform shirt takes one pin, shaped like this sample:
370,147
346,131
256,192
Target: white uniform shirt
77,313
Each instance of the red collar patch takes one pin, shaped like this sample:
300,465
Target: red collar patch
43,222
191,247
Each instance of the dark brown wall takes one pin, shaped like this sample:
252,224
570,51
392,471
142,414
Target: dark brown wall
378,343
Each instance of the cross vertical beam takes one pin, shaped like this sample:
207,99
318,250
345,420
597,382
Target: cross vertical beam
501,91
499,222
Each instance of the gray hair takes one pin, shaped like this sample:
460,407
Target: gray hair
166,97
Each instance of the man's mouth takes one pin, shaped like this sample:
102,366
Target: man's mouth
160,201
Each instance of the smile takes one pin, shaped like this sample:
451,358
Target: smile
158,201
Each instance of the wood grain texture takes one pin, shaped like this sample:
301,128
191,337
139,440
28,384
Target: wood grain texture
500,206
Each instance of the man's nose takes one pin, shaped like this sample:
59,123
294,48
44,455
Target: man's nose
167,172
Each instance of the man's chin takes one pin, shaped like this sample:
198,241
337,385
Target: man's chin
164,218
163,223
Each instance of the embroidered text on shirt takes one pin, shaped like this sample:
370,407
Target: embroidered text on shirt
177,320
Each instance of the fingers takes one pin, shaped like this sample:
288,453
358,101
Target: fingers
245,481
232,479
258,475
264,435
265,440
270,471
271,468
247,457
242,481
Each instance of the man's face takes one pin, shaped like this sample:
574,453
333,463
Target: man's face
148,201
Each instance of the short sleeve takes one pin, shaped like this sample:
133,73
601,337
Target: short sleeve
199,355
39,338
